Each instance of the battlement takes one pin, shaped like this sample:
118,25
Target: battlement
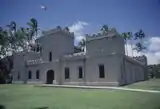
102,34
59,29
34,62
143,56
142,59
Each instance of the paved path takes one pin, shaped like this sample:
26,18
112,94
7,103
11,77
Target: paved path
100,87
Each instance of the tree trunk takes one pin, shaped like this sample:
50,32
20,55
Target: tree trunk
132,48
142,47
126,50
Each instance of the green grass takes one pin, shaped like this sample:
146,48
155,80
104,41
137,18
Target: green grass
30,97
153,84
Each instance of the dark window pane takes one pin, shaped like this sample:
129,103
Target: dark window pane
37,74
66,73
50,56
80,72
29,75
101,71
18,76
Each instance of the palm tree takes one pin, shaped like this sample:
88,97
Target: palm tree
66,29
104,28
130,37
82,44
32,31
125,37
12,26
3,41
139,47
33,28
140,35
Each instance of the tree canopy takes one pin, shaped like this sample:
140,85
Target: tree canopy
13,39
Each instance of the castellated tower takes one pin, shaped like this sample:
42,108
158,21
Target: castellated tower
105,43
55,43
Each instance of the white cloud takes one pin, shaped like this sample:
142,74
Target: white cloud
153,52
78,28
154,44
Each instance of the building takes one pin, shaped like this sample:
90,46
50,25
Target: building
103,63
154,71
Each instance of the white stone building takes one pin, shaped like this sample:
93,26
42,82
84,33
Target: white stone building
103,63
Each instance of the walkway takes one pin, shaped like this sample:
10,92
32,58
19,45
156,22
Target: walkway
99,87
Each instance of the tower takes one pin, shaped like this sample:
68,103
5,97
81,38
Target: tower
105,43
55,43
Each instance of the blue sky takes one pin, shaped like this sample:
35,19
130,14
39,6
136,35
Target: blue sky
125,15
87,16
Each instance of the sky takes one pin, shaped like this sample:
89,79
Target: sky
87,16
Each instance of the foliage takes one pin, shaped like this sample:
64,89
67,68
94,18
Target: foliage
139,36
154,70
12,40
104,28
33,28
82,44
66,29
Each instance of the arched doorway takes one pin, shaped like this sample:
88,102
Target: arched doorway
50,77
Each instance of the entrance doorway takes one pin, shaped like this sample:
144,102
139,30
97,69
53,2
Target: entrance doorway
50,77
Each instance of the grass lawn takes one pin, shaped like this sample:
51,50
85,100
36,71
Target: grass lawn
30,97
153,84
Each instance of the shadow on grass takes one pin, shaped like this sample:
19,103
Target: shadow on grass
2,107
41,108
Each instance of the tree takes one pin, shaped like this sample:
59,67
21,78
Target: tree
16,38
12,26
125,37
32,32
130,37
66,29
33,29
104,28
82,44
140,35
3,41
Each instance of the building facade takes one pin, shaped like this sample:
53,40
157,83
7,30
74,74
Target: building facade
103,63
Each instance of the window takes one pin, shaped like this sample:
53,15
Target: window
66,73
101,71
18,77
50,56
37,74
121,71
80,72
29,75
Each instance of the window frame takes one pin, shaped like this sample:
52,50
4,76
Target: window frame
29,74
50,56
101,71
18,76
38,72
80,68
66,73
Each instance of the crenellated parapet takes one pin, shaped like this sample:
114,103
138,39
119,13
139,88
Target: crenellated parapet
109,34
59,29
34,62
142,59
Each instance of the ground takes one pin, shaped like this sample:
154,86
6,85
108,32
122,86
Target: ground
153,84
30,97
